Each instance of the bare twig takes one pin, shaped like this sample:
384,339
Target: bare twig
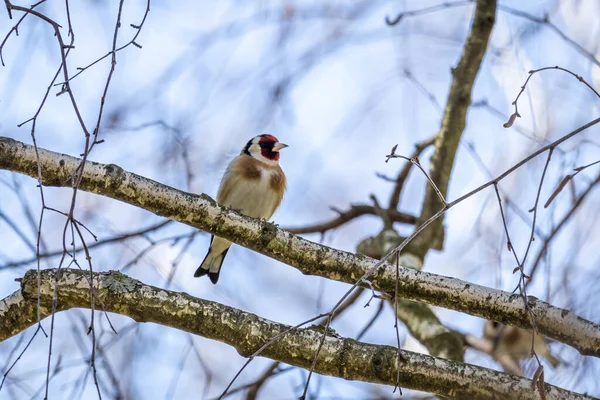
546,21
132,41
15,28
99,243
38,329
564,182
355,211
426,10
78,173
516,114
268,343
558,228
270,371
399,358
370,323
520,263
403,174
415,161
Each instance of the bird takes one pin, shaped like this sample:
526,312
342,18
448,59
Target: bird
516,342
253,184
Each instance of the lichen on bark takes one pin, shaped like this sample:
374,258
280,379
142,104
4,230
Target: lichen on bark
309,257
116,282
343,357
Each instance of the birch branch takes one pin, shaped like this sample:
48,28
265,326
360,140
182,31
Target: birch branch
202,212
454,120
246,332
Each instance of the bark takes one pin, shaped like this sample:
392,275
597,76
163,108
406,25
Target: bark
454,120
418,318
202,212
425,326
342,357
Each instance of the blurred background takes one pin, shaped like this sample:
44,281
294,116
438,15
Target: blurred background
340,87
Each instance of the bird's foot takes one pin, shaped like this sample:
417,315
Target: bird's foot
269,222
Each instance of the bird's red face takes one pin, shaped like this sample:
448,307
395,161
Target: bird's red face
265,148
267,144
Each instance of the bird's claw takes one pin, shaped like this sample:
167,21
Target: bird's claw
269,222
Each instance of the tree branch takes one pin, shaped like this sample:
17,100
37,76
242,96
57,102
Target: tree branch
426,327
204,213
559,226
418,318
355,211
101,242
454,119
403,174
342,357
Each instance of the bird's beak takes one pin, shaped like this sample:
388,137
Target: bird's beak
278,146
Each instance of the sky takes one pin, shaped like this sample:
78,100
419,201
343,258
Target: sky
340,88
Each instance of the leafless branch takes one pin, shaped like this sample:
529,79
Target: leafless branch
346,358
355,211
201,212
403,174
454,119
516,114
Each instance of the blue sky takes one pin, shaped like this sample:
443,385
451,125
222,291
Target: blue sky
209,71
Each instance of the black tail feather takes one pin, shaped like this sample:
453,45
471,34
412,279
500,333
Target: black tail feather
213,276
200,272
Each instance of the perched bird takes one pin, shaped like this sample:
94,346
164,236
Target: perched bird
516,343
253,184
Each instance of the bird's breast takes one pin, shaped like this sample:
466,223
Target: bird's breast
254,197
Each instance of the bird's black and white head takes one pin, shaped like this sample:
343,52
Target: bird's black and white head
264,148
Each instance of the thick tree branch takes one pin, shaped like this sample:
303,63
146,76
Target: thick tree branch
454,119
418,318
426,327
508,363
343,357
204,213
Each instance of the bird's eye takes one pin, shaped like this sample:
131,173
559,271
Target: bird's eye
264,145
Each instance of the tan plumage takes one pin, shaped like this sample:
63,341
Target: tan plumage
253,184
516,342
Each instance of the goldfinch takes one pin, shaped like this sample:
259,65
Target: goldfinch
516,342
253,184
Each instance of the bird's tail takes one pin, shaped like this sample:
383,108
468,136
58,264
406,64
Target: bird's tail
214,259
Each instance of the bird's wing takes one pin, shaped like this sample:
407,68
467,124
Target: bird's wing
278,184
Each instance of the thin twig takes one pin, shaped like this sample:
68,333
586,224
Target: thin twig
267,344
546,21
415,161
426,10
403,174
558,228
516,114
